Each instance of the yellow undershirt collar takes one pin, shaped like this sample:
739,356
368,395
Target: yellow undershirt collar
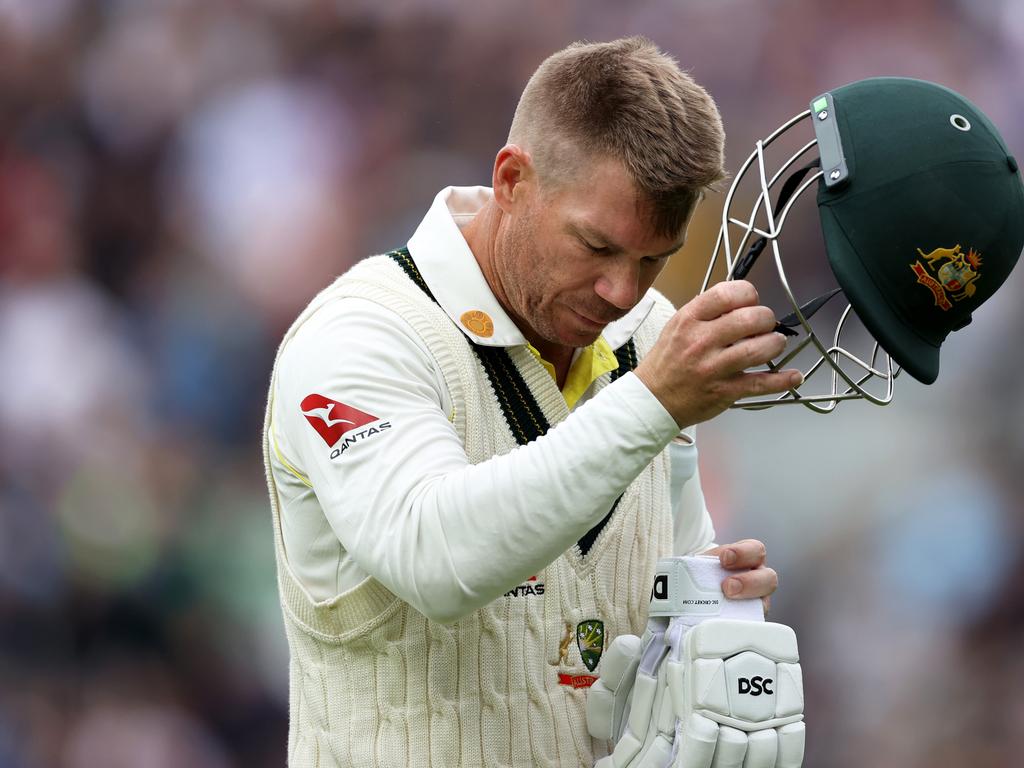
590,363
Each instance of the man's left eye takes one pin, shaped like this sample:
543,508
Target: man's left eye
593,248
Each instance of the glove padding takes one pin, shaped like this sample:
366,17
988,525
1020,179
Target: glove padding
607,699
630,701
700,692
737,691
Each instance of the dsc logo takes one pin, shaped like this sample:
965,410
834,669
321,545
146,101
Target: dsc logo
660,590
755,685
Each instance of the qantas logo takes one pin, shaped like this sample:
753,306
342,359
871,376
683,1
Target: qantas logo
325,414
332,419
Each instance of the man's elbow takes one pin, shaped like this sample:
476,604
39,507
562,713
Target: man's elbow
444,612
446,617
446,603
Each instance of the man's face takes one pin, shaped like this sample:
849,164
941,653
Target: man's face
580,255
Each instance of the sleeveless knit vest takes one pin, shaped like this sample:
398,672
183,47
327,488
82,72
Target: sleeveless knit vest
372,682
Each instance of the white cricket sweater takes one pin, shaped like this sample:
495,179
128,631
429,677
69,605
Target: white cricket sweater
376,679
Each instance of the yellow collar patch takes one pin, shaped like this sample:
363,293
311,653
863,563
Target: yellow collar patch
591,363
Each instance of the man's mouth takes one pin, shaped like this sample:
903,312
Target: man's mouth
597,324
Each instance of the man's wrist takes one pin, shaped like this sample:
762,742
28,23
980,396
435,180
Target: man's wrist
648,406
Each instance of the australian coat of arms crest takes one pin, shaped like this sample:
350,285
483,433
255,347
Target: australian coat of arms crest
949,273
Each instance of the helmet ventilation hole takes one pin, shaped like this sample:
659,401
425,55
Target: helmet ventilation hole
960,122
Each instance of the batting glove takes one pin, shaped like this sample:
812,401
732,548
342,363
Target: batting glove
710,684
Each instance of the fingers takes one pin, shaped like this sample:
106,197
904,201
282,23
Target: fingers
743,385
755,384
657,753
742,322
759,582
746,553
724,348
701,362
721,298
752,579
708,745
751,351
739,337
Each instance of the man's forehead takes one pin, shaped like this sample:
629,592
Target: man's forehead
604,201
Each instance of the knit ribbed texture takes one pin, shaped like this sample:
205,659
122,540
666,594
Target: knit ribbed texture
375,683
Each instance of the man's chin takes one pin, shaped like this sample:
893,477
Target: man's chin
581,338
584,327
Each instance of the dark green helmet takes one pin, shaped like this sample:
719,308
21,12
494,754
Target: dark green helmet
922,213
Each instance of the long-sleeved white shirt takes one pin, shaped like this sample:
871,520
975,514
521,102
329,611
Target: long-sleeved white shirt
395,496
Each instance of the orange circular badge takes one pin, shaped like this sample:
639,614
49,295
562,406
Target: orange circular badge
478,323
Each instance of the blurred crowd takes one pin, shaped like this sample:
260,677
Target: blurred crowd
179,177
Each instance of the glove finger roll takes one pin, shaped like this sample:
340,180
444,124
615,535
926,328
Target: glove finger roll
791,746
658,754
608,698
698,747
762,749
731,749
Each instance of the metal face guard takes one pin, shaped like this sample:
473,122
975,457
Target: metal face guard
833,372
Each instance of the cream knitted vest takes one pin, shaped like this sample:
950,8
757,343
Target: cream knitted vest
375,683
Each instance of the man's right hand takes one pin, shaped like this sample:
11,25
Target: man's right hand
698,366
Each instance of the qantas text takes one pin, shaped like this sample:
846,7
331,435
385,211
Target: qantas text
354,437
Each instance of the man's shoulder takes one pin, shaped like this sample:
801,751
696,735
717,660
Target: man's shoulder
382,270
378,280
373,292
360,326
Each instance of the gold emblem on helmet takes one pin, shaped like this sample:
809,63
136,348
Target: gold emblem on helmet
948,273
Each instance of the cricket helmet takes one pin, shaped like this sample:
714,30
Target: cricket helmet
921,208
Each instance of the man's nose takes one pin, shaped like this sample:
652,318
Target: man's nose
619,286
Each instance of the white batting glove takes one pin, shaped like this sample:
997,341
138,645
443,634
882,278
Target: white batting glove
710,684
735,680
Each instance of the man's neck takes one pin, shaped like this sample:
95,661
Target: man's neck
559,356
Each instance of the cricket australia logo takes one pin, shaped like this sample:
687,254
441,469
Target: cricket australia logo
590,639
949,273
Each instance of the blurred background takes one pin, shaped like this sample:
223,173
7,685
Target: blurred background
179,177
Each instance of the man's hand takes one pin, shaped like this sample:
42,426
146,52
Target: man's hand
697,368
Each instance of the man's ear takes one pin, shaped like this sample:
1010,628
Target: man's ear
513,174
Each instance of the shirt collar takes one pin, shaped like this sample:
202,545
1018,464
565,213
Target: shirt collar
453,275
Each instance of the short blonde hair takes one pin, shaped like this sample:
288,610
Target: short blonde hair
628,100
